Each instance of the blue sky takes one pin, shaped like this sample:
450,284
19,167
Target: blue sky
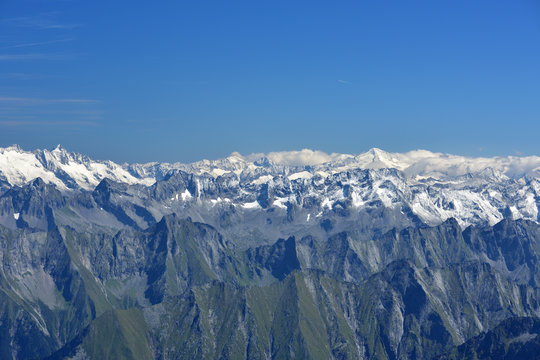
186,80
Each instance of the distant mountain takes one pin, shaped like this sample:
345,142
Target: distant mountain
71,170
430,186
284,255
59,167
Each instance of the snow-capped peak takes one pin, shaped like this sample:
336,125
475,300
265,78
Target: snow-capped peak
59,148
433,186
59,167
71,170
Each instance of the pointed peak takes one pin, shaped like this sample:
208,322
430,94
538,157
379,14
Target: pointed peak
236,156
59,148
451,221
169,221
38,182
376,152
105,184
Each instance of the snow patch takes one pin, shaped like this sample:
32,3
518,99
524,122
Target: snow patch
280,202
186,195
219,172
300,175
326,203
263,179
251,205
219,200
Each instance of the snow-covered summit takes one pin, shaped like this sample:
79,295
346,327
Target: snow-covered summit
417,163
433,186
70,170
64,169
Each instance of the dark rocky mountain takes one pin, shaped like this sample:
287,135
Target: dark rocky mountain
514,338
226,267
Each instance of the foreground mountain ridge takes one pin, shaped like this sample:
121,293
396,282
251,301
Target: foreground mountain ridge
179,289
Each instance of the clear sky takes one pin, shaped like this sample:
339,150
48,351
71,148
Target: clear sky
184,80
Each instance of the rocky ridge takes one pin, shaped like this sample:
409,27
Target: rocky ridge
267,260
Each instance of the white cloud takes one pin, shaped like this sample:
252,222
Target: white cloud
42,43
302,157
41,101
45,20
417,162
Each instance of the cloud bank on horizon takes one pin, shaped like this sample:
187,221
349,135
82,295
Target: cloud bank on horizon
304,157
414,162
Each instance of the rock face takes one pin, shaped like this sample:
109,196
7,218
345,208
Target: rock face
242,258
514,338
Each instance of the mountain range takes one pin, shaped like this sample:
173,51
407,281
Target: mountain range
296,254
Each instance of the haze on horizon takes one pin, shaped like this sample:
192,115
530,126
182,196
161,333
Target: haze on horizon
183,81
